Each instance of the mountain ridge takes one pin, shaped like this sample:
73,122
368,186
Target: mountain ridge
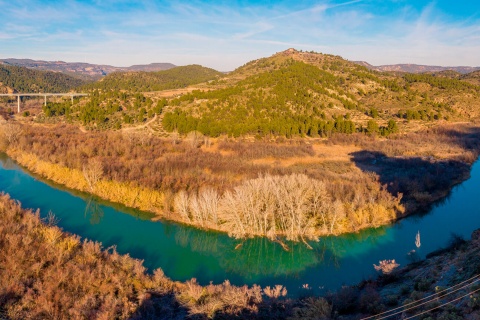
416,68
91,71
87,71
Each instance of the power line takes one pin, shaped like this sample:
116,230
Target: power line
435,295
442,305
428,301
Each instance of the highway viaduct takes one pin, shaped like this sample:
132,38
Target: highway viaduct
19,95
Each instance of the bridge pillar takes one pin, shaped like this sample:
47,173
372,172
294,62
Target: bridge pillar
45,100
18,104
72,99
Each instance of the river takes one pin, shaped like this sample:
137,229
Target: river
184,252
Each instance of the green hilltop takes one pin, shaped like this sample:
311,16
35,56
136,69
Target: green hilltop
21,79
142,81
309,94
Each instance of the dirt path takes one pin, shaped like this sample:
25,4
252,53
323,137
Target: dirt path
146,124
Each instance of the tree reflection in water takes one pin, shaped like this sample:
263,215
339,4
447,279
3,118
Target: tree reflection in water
93,210
7,163
262,257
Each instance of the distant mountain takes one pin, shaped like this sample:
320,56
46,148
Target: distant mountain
82,70
473,77
416,68
141,81
149,67
25,80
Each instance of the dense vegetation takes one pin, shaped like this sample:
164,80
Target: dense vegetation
178,77
308,94
35,81
291,94
106,110
440,82
290,101
235,188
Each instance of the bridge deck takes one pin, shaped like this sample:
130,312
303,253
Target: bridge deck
18,95
43,94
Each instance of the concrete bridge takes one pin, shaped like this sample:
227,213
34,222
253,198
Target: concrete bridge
19,95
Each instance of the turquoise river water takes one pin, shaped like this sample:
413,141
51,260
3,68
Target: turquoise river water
184,252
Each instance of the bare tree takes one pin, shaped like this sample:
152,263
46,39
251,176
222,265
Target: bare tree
210,199
175,137
194,138
336,215
93,172
137,137
181,205
206,141
11,132
129,136
204,206
275,292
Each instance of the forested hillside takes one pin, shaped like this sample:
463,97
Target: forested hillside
309,94
35,81
290,94
178,77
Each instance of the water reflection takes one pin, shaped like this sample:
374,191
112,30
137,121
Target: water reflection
7,163
260,256
255,257
93,211
347,245
199,240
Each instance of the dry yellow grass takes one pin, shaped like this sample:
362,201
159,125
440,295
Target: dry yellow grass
125,193
323,153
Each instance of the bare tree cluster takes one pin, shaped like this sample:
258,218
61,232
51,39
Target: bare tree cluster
386,266
272,205
295,206
201,208
137,137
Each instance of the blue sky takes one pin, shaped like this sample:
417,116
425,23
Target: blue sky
226,34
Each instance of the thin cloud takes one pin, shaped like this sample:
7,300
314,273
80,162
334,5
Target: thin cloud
260,27
223,34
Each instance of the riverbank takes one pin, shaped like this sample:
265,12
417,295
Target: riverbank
124,193
48,273
294,190
446,285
